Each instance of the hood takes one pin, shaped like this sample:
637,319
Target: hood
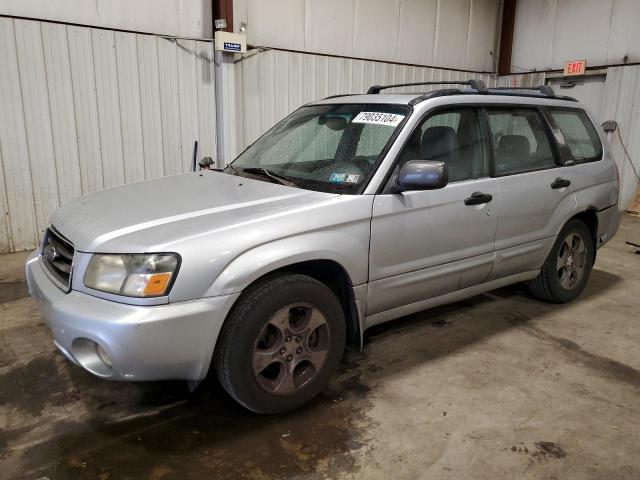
170,208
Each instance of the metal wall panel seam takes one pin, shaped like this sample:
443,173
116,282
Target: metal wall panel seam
6,243
162,126
187,101
61,110
20,198
109,116
73,100
145,155
121,116
85,108
130,107
169,104
46,78
97,116
205,100
35,107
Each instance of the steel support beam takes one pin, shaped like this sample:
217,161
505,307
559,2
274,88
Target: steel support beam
506,36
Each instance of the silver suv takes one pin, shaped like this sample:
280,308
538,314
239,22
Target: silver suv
352,211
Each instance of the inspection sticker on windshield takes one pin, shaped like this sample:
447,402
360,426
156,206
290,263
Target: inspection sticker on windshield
379,118
344,178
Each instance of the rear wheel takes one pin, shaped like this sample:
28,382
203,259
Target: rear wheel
567,268
281,343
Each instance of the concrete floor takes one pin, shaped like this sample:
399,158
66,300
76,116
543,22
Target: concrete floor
499,386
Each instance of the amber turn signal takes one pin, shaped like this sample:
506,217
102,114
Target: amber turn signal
157,284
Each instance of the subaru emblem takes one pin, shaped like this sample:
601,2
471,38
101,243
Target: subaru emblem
50,253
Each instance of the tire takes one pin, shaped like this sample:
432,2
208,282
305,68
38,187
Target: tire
556,283
281,343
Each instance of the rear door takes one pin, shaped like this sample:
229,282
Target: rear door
593,180
429,243
535,190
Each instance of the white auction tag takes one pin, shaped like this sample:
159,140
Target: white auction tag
379,118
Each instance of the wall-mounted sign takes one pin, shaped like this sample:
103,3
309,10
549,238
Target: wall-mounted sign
231,42
575,67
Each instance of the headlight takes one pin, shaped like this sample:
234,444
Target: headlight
132,275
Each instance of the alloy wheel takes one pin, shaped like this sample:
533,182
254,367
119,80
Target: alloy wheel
290,349
572,261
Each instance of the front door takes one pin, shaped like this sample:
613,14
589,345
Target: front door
429,243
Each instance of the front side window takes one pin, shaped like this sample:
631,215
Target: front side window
452,137
579,134
329,148
520,141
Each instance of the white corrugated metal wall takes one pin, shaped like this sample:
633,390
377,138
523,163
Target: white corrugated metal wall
460,34
83,109
550,32
183,18
622,104
272,83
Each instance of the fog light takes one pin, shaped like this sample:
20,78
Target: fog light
92,357
103,355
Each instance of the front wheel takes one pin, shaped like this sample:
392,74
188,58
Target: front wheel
281,343
566,270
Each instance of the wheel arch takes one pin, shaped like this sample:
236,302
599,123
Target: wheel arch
334,276
326,267
589,217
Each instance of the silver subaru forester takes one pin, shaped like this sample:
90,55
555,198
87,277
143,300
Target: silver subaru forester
352,211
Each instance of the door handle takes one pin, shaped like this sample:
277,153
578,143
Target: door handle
478,198
560,183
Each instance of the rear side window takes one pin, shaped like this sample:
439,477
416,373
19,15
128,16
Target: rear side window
579,134
520,141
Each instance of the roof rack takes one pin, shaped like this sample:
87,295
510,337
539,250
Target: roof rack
477,85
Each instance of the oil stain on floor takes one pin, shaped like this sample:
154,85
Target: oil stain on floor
159,430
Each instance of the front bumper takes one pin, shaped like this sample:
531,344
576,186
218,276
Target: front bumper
163,342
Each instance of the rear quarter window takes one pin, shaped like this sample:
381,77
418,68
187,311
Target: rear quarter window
579,134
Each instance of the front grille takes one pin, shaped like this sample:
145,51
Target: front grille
57,256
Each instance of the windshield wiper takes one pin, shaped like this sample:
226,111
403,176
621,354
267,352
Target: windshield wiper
269,174
235,170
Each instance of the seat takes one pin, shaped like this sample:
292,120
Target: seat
513,152
515,144
441,144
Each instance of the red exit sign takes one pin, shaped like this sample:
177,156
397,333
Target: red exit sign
575,67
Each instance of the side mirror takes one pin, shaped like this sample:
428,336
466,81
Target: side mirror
421,175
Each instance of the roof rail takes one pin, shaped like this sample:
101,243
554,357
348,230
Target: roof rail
475,84
544,89
443,92
340,95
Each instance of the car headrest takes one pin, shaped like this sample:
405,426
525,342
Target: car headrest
438,142
516,144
